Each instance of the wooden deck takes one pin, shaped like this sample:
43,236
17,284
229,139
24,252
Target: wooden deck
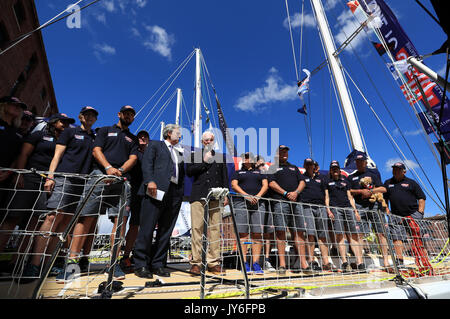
183,285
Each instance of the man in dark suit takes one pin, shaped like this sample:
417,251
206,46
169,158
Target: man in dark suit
163,170
208,172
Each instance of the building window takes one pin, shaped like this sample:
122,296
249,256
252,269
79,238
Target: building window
43,94
4,37
32,63
19,11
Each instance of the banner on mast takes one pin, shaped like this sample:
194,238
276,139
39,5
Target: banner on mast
401,47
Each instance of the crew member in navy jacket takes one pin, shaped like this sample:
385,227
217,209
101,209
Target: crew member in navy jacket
163,170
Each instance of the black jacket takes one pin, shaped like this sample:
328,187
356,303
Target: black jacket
157,166
206,176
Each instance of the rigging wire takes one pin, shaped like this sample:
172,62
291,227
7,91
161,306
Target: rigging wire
186,61
292,39
160,112
53,20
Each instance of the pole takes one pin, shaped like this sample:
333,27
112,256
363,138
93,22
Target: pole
428,72
161,134
198,98
177,115
338,76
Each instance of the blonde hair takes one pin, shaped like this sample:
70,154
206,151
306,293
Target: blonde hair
17,121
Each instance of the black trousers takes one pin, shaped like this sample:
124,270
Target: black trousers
164,214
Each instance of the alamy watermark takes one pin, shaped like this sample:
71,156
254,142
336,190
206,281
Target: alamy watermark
74,20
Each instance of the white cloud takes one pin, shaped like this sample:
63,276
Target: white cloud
347,25
408,163
105,48
274,90
330,4
102,50
158,40
408,133
296,21
101,18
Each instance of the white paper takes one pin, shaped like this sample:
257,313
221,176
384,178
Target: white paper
159,195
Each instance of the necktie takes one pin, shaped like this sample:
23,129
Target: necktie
174,161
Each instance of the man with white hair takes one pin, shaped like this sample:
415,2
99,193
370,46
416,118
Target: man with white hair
208,171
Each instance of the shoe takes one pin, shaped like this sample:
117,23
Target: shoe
70,272
84,264
307,271
30,273
329,267
195,270
125,263
143,272
161,272
282,271
268,266
118,273
315,266
257,269
345,267
248,269
361,268
55,271
216,270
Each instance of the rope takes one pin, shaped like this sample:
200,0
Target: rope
292,39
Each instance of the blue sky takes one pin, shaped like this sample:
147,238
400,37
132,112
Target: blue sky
125,50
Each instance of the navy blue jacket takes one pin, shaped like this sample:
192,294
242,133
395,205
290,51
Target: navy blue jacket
157,167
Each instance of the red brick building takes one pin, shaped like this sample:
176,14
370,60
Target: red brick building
24,70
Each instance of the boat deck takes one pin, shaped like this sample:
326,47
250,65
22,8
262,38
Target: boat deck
183,285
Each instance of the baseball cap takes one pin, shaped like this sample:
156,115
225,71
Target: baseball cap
283,147
143,132
89,108
399,165
361,156
61,117
335,164
308,161
127,108
13,100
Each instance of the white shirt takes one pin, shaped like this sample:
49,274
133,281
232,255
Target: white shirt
174,159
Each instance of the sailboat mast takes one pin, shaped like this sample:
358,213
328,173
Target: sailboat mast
177,114
338,76
198,97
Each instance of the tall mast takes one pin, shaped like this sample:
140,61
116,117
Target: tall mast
338,76
177,115
198,98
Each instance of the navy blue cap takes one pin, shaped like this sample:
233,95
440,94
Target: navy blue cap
361,156
399,165
89,108
127,108
283,147
13,100
308,161
334,164
61,117
143,132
